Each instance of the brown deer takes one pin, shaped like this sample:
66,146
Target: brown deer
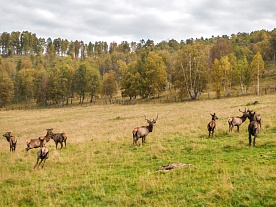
42,155
40,141
143,131
258,117
254,128
237,121
212,124
12,140
59,138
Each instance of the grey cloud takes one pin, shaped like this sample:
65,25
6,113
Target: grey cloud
123,20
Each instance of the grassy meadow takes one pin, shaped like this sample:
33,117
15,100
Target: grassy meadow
100,167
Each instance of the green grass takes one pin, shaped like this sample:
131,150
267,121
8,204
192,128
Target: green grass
100,167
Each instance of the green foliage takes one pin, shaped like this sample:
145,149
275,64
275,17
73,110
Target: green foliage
131,81
241,75
54,71
257,68
6,89
155,74
80,84
190,70
110,86
217,78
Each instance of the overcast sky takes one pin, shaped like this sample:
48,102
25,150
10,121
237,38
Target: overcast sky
133,20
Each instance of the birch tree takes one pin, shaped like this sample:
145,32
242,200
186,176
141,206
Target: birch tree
190,70
257,68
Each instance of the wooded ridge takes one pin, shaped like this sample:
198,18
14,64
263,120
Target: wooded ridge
33,69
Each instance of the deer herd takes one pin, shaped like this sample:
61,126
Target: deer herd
254,127
40,142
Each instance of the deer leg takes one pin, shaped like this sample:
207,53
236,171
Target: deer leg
143,140
249,139
65,143
56,144
40,163
238,128
254,140
36,163
43,163
61,145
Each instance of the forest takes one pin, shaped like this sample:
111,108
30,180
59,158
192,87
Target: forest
61,71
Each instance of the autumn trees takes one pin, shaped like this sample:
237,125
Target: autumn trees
55,71
191,70
145,77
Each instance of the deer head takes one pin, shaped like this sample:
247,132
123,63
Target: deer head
214,116
151,122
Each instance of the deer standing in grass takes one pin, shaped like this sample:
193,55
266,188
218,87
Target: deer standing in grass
143,131
237,121
42,155
59,138
254,127
257,117
12,140
212,125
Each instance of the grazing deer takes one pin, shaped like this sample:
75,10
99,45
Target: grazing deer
237,121
40,141
254,128
212,124
12,140
42,154
143,131
59,138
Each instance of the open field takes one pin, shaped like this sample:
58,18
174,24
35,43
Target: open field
100,167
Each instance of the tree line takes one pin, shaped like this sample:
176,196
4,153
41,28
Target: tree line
57,71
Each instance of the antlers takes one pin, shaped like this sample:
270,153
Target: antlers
150,120
243,111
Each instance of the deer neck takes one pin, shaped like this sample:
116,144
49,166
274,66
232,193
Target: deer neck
8,138
150,127
243,118
48,136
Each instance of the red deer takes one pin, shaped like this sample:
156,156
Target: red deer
40,141
254,128
42,154
237,121
12,140
59,138
258,117
143,131
212,124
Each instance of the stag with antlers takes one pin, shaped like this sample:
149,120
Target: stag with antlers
143,131
237,121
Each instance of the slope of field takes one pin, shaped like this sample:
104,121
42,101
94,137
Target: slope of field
100,167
